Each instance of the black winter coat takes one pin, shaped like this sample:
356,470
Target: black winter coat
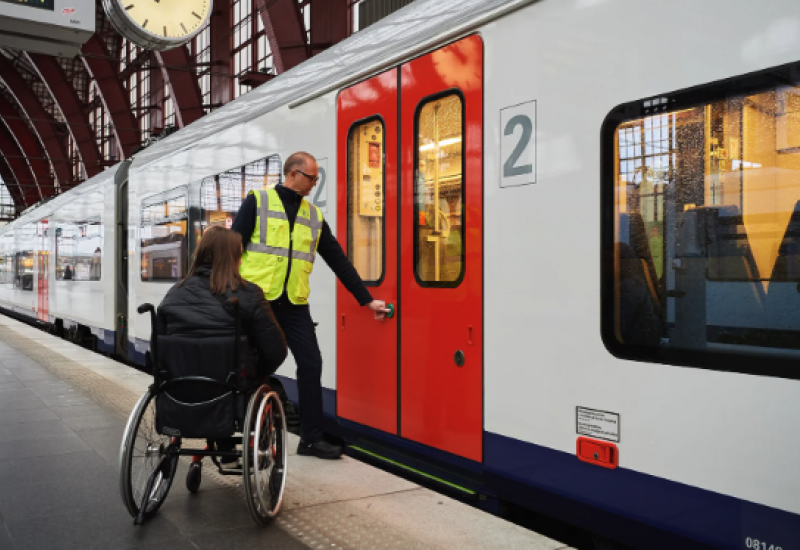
192,310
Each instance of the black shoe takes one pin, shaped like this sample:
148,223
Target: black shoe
320,449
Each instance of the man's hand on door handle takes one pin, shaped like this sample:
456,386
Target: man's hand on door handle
379,307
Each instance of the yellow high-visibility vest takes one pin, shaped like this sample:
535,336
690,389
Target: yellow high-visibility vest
266,259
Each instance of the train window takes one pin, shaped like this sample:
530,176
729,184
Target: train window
365,199
163,237
6,269
703,257
439,192
222,195
23,270
79,251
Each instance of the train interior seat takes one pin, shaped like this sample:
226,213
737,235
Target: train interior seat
787,265
633,234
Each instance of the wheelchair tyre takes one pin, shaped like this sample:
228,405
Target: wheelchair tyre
264,455
142,452
194,477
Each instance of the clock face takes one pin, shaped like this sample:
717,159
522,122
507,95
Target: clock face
158,24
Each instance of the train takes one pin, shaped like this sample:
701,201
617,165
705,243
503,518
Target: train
582,211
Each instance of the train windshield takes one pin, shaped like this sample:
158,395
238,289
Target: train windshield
707,225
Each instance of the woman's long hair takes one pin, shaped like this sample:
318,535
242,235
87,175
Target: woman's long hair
221,249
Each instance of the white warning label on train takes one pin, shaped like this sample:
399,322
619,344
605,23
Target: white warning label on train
598,424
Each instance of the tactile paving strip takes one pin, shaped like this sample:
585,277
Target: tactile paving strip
337,527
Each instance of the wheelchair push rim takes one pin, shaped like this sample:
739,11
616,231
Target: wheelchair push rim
264,462
143,452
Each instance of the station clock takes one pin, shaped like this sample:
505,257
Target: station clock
158,24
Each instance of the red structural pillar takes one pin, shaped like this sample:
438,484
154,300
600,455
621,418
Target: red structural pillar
286,32
330,23
221,46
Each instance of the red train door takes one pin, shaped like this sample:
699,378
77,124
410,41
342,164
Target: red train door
367,229
441,212
431,225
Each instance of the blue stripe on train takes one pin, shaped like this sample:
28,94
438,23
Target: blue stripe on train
621,504
715,519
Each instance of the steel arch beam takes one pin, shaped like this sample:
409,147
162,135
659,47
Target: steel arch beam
10,180
104,69
28,141
286,33
45,125
72,108
13,157
177,68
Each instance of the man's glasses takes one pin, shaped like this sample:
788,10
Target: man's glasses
315,179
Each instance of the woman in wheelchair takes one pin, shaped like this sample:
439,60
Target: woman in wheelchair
214,344
200,307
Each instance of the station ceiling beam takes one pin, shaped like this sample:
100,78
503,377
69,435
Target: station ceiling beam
12,153
11,183
45,124
105,71
73,109
181,78
29,142
286,32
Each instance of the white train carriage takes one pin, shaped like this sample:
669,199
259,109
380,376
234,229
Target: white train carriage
58,263
584,213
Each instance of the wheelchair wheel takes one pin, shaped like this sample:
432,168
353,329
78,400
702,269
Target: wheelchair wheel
145,461
194,477
264,455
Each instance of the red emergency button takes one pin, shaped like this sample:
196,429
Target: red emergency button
601,453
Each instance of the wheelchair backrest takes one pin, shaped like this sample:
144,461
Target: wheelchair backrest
210,358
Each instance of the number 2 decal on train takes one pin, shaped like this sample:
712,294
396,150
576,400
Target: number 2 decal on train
518,144
320,194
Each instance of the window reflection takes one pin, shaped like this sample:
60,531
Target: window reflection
221,196
707,204
365,199
23,270
439,193
79,251
164,254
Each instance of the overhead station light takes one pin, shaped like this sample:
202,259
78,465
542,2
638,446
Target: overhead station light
51,27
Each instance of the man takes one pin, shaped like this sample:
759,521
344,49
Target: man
281,234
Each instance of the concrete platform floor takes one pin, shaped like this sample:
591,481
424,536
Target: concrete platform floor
62,414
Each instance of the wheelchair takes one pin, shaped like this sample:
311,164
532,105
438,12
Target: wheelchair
199,391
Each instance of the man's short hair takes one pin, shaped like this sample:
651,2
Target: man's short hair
296,161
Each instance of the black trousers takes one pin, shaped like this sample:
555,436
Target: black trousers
301,338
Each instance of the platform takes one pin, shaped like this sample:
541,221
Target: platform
62,414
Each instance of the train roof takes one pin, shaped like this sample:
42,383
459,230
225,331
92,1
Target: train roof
63,202
388,42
